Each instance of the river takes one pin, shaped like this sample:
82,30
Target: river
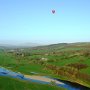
43,80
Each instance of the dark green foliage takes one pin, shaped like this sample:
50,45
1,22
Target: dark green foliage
78,65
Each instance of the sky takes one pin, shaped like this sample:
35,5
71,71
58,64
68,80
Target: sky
32,21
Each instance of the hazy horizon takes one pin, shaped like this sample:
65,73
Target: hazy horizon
32,21
18,43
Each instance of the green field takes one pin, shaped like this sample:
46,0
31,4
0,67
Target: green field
65,61
7,83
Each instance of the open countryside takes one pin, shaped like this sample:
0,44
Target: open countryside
63,61
44,44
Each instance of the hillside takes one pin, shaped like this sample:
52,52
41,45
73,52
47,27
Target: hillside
69,62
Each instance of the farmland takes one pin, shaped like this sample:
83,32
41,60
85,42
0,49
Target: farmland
70,62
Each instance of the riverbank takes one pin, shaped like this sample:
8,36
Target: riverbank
42,78
17,84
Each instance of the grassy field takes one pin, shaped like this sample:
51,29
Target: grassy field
7,83
52,60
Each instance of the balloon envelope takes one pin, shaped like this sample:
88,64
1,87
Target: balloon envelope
53,11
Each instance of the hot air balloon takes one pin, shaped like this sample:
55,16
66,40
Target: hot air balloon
53,11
